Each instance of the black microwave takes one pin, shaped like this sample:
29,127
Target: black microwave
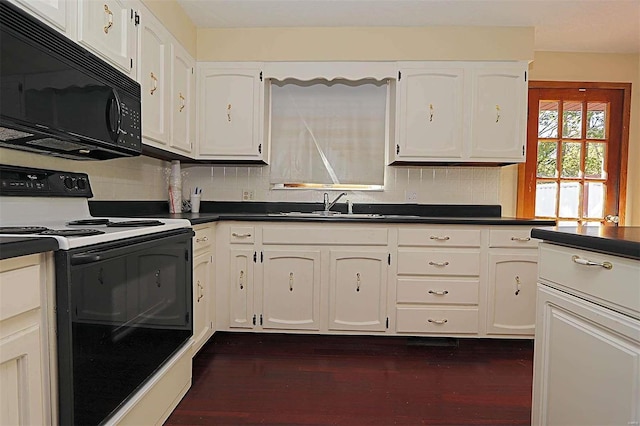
57,98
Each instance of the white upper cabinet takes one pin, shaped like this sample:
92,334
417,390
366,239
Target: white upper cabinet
182,106
460,112
430,104
108,28
155,84
499,110
59,14
230,112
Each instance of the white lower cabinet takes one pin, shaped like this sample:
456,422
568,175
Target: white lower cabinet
358,290
203,288
25,384
291,289
456,280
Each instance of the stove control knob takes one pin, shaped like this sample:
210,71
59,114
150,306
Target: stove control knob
68,183
82,184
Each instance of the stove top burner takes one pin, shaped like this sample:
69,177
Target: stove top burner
71,232
22,229
89,222
134,223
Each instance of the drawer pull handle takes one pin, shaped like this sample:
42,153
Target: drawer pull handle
523,239
202,240
585,262
109,13
200,294
438,238
439,293
241,280
517,285
290,281
357,281
235,234
439,322
438,263
154,83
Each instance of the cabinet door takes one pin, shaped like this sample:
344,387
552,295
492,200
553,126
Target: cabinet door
242,288
182,100
202,299
586,363
430,114
512,293
230,114
291,289
499,111
108,29
358,290
21,380
155,80
54,12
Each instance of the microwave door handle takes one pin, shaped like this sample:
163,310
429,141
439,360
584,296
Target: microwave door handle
114,127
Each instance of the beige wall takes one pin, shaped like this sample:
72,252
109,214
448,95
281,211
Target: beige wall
172,16
595,67
365,44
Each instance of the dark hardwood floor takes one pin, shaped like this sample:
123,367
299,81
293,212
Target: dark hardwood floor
278,379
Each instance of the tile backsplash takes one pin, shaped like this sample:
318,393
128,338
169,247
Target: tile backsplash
431,185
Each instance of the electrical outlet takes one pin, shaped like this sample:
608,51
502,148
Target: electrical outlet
247,195
411,196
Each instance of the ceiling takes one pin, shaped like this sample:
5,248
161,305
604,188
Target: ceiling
560,25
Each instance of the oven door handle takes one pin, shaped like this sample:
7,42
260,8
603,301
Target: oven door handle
85,258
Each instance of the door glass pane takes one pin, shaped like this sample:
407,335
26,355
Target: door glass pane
569,199
546,199
593,200
572,120
547,159
571,159
596,119
567,223
594,160
548,119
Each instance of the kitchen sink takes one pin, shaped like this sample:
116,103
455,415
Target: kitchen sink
323,213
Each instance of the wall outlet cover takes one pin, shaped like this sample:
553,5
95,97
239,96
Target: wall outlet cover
247,195
411,196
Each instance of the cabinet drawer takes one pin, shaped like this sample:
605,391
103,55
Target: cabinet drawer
438,262
618,287
428,320
512,237
19,286
446,292
203,239
438,237
325,235
242,235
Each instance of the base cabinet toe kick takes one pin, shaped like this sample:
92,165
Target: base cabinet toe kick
386,279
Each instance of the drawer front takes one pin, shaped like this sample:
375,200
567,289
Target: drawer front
242,235
445,292
438,262
618,287
512,237
19,286
325,235
203,239
427,320
438,237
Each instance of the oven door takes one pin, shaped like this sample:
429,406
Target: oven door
123,309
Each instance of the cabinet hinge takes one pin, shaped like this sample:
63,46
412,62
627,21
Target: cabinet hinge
260,149
522,149
525,76
397,149
254,319
389,259
399,75
131,66
260,75
261,257
192,71
255,257
260,319
387,322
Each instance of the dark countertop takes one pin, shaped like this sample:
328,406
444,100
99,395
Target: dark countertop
200,218
22,246
616,240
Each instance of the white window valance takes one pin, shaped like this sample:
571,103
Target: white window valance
354,71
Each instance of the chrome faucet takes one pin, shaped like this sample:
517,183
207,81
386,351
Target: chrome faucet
328,205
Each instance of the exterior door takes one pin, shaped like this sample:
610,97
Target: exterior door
575,170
